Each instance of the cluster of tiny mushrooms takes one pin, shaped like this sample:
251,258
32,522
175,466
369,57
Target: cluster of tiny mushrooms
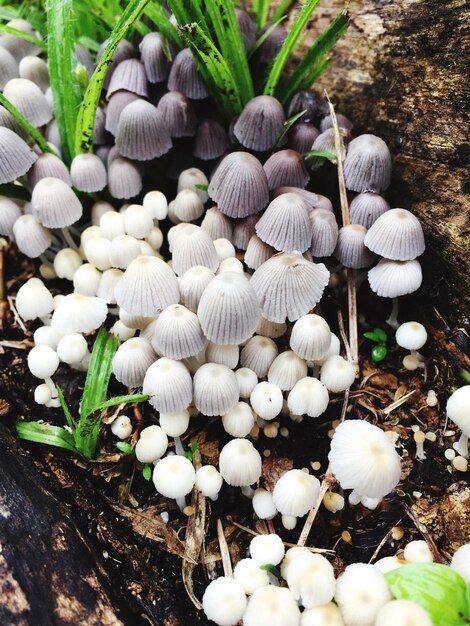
213,296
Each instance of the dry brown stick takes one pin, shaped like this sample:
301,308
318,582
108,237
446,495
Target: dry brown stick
226,562
426,535
351,274
328,480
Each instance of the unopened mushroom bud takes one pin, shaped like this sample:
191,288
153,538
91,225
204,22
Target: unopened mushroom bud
461,562
174,477
388,564
420,438
72,348
431,398
361,591
42,394
263,504
152,444
209,481
250,575
34,300
122,427
247,381
266,400
458,410
224,601
267,549
175,424
289,521
43,362
418,552
337,374
156,203
333,502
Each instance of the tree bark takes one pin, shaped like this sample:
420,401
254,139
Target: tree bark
400,72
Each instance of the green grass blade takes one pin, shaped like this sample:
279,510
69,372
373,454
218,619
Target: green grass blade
189,12
287,126
214,70
288,47
26,126
301,74
99,373
26,36
157,14
282,10
260,11
224,21
128,399
68,415
260,41
87,112
45,433
62,61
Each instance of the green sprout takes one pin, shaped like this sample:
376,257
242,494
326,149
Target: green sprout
189,454
147,471
81,435
272,569
379,337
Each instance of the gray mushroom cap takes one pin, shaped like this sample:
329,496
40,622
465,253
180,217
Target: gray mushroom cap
396,235
16,157
260,124
286,168
368,164
286,225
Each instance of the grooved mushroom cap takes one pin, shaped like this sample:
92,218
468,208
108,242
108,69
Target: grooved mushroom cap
76,313
270,606
187,206
313,200
8,67
257,253
36,70
295,493
310,337
55,204
16,157
215,389
217,225
224,355
169,384
142,133
301,136
368,164
228,309
31,237
260,123
390,279
308,397
30,101
124,50
9,213
240,463
48,165
178,333
286,369
88,173
325,232
174,476
132,360
239,185
350,249
116,105
130,76
211,140
185,78
177,114
286,168
193,246
396,235
148,285
361,591
286,225
326,142
239,420
152,55
258,355
458,408
124,179
367,207
364,458
192,285
289,286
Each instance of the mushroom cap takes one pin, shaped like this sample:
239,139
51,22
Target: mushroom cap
47,165
175,424
228,309
36,70
55,204
177,114
217,225
247,381
228,355
124,50
117,103
128,75
271,606
16,157
9,213
325,232
418,551
174,476
368,164
257,253
295,493
396,235
152,444
215,389
249,574
208,480
30,101
178,333
308,397
152,55
458,408
350,249
402,612
169,384
185,77
239,420
77,313
34,300
286,225
124,179
361,591
364,458
132,360
187,206
266,400
88,173
286,370
211,140
239,185
390,279
411,335
289,286
311,580
367,207
8,67
224,601
148,285
142,133
286,168
267,549
42,361
240,463
243,230
192,285
310,337
461,562
193,246
31,237
301,136
326,615
260,124
258,354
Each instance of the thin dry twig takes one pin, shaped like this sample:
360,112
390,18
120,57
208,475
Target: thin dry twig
17,317
226,562
384,541
397,403
426,536
328,480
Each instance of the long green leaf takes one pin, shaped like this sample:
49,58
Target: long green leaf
287,126
189,12
128,399
156,13
261,11
214,71
260,41
45,433
22,35
99,373
313,57
62,61
282,10
68,415
288,47
224,21
25,125
87,112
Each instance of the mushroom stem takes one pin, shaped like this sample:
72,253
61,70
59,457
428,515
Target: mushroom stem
393,317
52,387
179,449
461,446
68,238
181,502
327,482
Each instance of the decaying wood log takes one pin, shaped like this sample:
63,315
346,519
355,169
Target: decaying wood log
400,72
47,573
